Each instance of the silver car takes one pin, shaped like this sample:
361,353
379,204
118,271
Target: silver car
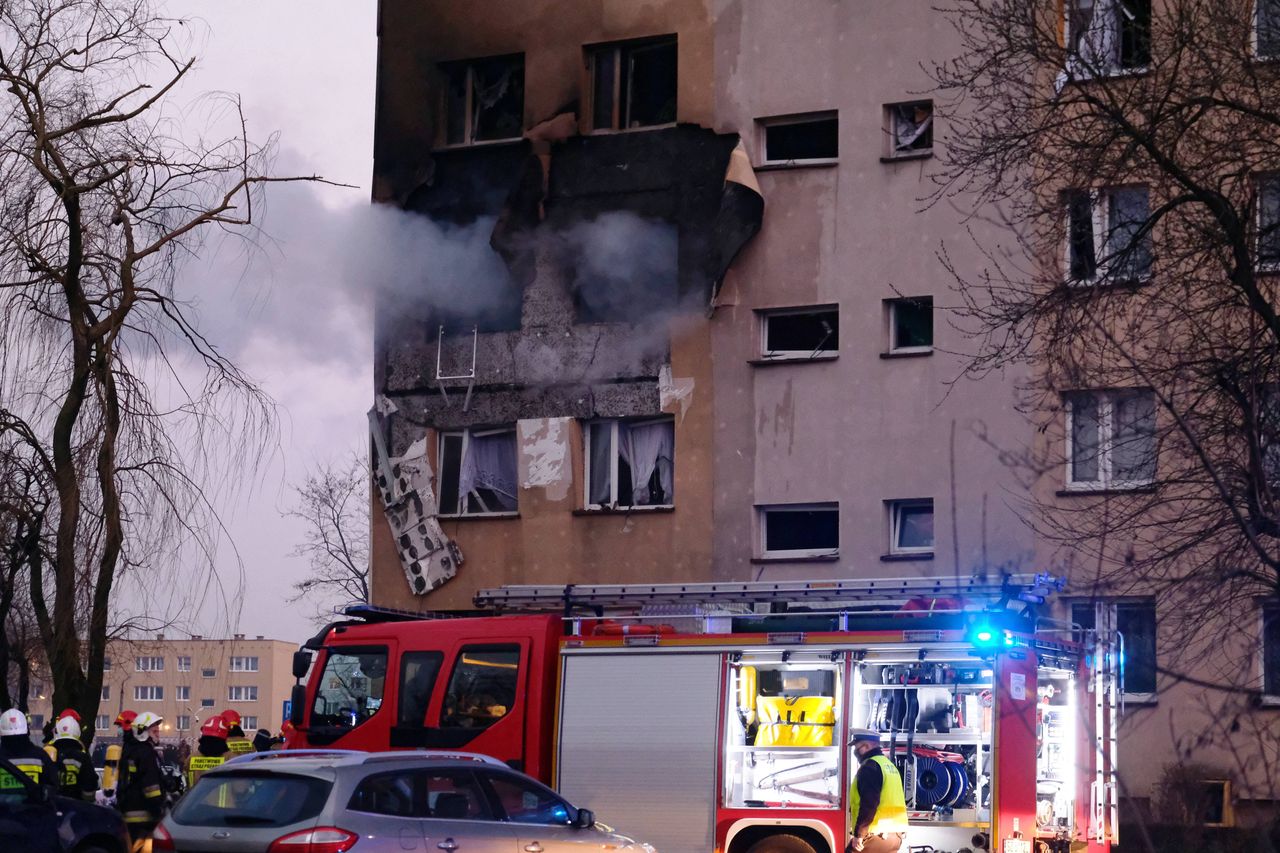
341,800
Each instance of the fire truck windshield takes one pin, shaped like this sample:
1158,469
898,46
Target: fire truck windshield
350,687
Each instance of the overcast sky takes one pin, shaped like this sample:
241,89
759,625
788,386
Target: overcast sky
291,316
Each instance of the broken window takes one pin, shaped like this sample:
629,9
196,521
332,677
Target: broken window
484,99
1108,36
802,333
911,324
910,129
478,472
911,527
1271,649
630,463
633,84
1266,36
809,138
1109,235
1136,622
1111,438
1269,222
800,530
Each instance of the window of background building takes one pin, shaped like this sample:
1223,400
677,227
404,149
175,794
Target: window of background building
911,527
1111,439
184,663
1266,36
106,691
910,129
910,324
242,694
1136,622
106,664
798,140
184,693
244,664
1271,652
633,84
484,99
630,463
1108,36
148,693
149,664
250,723
800,530
1107,235
208,672
800,334
182,723
102,722
37,722
478,472
1269,222
206,703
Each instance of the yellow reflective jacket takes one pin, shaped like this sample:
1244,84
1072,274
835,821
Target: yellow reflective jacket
891,814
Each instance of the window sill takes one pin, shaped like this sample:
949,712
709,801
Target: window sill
914,155
1143,699
783,165
479,516
905,557
791,359
622,510
1099,491
1267,700
797,558
482,143
1103,282
907,353
605,131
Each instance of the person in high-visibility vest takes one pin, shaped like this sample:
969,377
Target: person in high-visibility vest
111,766
16,747
211,750
236,741
140,795
76,777
877,803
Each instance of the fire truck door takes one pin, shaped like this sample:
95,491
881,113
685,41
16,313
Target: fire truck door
482,707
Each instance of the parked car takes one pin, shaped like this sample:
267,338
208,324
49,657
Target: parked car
342,800
34,819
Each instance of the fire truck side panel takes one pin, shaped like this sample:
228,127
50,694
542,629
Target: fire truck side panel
638,743
1015,747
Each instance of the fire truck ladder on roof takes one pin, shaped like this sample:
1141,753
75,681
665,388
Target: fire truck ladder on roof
1027,588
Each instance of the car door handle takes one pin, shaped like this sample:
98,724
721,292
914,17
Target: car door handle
448,844
533,847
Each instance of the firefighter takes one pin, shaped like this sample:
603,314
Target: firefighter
236,741
51,732
111,766
877,803
76,777
140,789
211,750
16,746
263,741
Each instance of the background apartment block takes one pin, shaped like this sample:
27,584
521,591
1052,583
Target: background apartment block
188,680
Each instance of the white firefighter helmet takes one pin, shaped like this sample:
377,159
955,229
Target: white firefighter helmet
13,722
66,729
145,721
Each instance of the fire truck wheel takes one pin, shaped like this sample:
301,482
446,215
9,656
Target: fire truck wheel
781,844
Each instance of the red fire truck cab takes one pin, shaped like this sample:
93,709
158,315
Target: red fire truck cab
716,717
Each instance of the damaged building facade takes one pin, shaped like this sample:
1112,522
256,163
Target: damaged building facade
716,346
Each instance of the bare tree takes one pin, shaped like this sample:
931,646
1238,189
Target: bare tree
122,407
334,504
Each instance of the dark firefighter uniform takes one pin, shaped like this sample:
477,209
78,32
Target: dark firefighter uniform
76,776
140,788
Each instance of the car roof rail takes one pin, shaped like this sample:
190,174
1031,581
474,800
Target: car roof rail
247,757
394,755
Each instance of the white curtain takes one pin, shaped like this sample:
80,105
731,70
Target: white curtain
490,463
1099,44
911,124
646,448
601,439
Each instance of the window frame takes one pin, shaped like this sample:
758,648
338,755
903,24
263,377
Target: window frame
182,693
1260,181
614,457
1267,609
102,722
467,433
1106,481
771,355
896,507
207,703
1100,206
762,540
249,692
469,117
105,693
182,722
487,778
1116,67
155,692
1254,44
762,139
620,50
891,152
243,663
455,674
891,309
1112,604
152,665
184,663
208,672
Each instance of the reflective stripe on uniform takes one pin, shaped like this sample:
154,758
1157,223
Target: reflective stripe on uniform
139,817
239,745
198,764
891,814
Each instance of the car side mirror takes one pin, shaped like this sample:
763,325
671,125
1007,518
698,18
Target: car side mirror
301,663
585,819
297,704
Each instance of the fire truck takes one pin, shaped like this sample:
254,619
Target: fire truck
716,717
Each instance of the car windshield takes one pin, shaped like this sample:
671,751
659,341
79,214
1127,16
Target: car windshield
350,687
252,799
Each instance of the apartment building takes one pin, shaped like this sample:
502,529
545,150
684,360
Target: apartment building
188,680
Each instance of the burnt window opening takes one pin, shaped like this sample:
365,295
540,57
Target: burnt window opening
478,472
633,84
1266,33
801,333
630,463
911,324
1108,36
484,99
814,137
910,129
800,530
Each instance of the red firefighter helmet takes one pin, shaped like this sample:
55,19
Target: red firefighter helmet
215,726
68,712
232,717
126,718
